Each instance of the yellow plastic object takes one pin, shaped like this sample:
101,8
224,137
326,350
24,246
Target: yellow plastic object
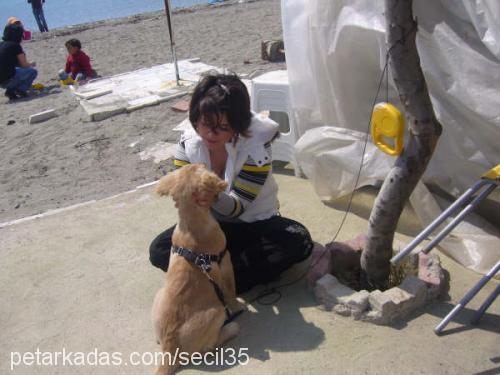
67,81
37,86
388,122
492,174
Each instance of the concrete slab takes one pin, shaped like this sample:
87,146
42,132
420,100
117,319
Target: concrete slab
79,280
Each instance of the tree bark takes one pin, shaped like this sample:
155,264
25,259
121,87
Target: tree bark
424,131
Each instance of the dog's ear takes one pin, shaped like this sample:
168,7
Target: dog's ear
221,185
167,183
209,181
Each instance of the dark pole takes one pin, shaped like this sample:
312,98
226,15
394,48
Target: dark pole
172,42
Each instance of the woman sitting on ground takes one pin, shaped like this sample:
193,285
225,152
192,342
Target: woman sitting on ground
16,73
236,144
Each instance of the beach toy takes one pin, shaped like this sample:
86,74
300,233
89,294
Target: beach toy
68,81
37,86
387,123
26,35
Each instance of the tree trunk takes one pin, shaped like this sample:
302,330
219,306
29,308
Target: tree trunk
424,131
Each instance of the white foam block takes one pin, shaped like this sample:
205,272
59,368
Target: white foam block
93,94
42,116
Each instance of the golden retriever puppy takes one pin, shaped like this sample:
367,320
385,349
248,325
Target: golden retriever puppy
187,314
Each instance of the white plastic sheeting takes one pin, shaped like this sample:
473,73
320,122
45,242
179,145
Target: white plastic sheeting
335,55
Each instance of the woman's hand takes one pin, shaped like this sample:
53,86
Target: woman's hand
23,62
204,198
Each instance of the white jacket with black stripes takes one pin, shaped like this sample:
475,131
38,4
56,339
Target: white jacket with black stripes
252,192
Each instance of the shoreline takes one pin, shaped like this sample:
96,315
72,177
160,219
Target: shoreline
140,17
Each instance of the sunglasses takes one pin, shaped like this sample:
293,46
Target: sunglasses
223,128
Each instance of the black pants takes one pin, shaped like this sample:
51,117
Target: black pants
40,19
260,251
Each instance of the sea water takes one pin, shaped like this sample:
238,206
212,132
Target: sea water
59,13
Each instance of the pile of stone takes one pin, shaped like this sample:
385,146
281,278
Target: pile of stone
424,282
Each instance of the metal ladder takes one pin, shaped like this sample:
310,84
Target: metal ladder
488,182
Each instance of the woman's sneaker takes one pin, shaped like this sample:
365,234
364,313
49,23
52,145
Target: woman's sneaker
11,94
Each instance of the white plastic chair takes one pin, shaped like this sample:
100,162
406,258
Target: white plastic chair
270,92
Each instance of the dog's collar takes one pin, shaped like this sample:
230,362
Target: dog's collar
201,260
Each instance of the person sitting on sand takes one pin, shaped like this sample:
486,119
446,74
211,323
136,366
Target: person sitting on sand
77,64
235,143
16,73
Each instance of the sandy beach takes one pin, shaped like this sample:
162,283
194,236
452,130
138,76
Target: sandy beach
70,159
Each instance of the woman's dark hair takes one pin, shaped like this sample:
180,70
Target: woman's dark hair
13,33
73,43
221,94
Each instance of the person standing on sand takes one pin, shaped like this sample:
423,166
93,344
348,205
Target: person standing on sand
37,6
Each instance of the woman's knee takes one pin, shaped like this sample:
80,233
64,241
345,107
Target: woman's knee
299,241
33,75
158,256
159,250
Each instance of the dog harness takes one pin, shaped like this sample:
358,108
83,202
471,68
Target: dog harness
203,261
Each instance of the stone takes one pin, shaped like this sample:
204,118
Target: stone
322,291
342,310
375,317
358,301
431,272
382,302
329,291
320,264
401,303
416,288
